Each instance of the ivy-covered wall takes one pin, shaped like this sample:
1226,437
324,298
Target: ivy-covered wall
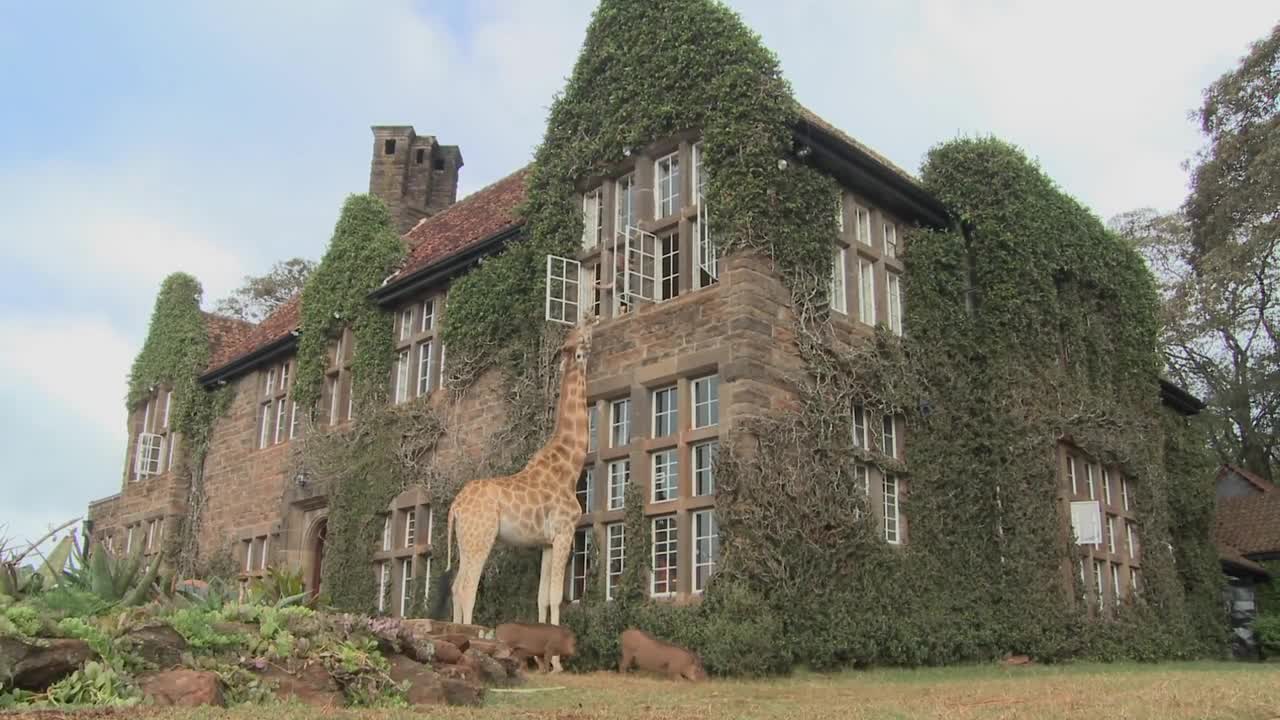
175,353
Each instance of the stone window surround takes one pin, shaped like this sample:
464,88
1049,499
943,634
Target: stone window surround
252,539
638,386
269,395
338,378
152,416
139,522
882,264
643,166
418,500
1122,520
414,340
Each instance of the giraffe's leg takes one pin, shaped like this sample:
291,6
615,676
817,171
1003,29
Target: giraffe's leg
560,549
544,589
476,535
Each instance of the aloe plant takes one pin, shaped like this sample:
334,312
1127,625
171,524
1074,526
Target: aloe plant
116,580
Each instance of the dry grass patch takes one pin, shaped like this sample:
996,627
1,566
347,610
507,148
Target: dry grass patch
1158,692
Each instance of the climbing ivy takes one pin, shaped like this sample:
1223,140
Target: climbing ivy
174,355
366,463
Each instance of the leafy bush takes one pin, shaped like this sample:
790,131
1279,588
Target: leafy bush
1267,628
25,619
94,684
197,628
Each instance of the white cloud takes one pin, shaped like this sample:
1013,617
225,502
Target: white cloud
77,361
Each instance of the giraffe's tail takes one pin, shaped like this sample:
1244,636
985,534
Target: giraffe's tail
448,542
443,588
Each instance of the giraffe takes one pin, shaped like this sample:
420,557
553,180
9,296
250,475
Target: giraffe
537,506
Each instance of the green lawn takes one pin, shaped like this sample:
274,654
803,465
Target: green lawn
1102,692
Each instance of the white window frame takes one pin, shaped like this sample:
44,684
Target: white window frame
668,246
402,376
838,294
892,518
890,240
563,290
1133,582
579,558
704,520
406,323
1115,583
862,223
889,427
712,403
149,451
615,423
335,391
1098,566
382,585
262,556
664,421
593,427
270,385
1111,534
424,373
620,538
592,218
410,527
168,402
428,319
151,535
1086,522
264,435
840,212
619,478
1071,475
1124,491
866,291
386,533
666,186
1131,540
665,473
426,586
669,541
1088,479
284,377
861,435
248,555
705,254
639,267
440,368
588,478
406,575
173,442
704,476
862,478
293,419
894,282
1106,485
128,540
279,412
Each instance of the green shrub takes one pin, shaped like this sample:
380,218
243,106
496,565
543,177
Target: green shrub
25,619
1267,628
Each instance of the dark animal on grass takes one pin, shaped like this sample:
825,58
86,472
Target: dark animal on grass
646,652
539,641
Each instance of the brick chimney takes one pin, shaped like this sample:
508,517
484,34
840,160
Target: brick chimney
413,174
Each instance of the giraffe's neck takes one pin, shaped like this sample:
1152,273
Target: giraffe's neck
566,449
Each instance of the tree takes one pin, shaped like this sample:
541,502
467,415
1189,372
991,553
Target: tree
1218,261
261,294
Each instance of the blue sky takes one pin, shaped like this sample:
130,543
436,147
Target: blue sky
137,139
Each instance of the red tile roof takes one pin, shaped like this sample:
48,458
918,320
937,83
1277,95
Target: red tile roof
278,324
225,332
478,216
1248,476
1250,524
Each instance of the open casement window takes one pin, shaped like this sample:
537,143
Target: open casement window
1086,522
564,296
706,255
150,450
639,253
592,219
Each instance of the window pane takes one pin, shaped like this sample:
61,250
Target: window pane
619,476
664,412
706,551
706,401
586,488
665,474
891,509
620,423
704,460
665,556
615,535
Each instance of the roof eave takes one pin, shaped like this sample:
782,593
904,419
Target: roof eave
1179,399
445,268
882,185
224,373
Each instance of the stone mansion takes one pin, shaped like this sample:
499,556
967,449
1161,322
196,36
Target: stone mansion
689,345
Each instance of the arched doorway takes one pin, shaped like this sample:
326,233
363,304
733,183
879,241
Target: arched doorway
319,532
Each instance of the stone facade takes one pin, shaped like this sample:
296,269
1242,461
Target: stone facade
689,368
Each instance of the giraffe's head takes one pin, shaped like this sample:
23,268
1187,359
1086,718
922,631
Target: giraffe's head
577,344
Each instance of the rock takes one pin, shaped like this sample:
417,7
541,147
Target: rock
491,671
513,667
488,647
461,692
417,644
309,684
35,667
462,642
158,644
425,687
187,688
462,672
235,628
446,652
